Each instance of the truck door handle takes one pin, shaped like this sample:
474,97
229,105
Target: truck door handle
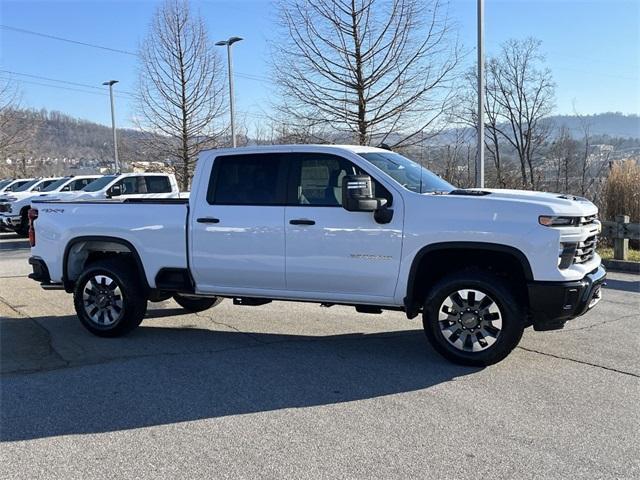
208,220
302,221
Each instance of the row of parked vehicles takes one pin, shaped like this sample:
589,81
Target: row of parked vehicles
17,195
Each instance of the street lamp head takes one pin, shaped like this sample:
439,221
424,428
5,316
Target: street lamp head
110,82
229,42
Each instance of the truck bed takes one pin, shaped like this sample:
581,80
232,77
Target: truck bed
154,227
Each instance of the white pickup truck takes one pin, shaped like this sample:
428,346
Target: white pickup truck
14,208
10,184
124,186
346,225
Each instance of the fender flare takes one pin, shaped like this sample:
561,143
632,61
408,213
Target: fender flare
68,285
493,247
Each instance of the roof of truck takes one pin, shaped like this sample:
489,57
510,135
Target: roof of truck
294,148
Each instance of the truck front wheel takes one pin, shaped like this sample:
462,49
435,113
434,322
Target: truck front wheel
109,299
473,318
196,304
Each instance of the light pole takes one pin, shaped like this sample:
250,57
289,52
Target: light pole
228,44
113,125
480,165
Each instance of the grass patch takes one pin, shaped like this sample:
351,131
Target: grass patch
607,254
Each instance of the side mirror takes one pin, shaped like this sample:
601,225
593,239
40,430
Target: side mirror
115,191
66,188
357,194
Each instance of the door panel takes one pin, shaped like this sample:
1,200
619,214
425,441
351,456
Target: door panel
343,252
329,249
237,231
244,249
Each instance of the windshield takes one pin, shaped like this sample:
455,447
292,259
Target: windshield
4,183
99,184
55,185
44,184
407,173
26,186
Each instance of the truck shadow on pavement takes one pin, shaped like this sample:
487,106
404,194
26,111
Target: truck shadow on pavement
171,375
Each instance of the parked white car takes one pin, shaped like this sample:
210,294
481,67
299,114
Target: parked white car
331,224
14,209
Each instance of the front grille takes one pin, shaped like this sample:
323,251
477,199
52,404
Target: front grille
586,250
588,220
5,207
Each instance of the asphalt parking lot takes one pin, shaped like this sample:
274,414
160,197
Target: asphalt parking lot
301,391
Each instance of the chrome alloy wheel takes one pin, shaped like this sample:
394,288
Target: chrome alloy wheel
470,320
102,301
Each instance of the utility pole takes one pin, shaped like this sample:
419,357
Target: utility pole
480,154
228,44
110,83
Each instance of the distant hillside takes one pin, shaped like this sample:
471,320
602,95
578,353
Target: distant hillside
56,135
610,124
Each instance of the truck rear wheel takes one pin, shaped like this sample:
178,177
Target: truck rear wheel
196,304
109,298
473,318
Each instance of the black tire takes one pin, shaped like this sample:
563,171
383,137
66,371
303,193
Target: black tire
459,321
23,229
132,301
196,304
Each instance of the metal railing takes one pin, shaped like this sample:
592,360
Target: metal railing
621,231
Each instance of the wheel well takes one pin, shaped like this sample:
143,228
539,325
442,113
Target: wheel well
24,211
82,252
435,263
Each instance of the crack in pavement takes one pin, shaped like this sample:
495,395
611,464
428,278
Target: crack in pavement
48,336
605,322
582,362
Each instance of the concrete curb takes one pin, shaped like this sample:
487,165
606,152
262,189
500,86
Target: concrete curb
622,266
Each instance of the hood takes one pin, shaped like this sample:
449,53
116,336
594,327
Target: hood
13,196
552,203
59,196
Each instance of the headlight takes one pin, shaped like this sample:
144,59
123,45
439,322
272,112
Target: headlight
549,221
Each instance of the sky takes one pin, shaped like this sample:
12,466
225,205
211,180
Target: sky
591,46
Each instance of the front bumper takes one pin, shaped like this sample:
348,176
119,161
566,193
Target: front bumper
552,304
10,221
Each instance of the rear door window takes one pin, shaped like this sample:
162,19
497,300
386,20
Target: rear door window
158,184
252,179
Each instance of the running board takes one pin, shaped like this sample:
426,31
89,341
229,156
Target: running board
251,301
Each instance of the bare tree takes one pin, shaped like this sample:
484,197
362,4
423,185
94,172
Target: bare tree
590,170
493,110
562,155
181,95
13,130
525,94
377,71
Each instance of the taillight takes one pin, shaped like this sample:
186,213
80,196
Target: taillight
33,214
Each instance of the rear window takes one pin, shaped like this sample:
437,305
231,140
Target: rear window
159,184
255,179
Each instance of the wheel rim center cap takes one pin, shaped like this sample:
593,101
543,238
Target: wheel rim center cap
102,300
469,320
